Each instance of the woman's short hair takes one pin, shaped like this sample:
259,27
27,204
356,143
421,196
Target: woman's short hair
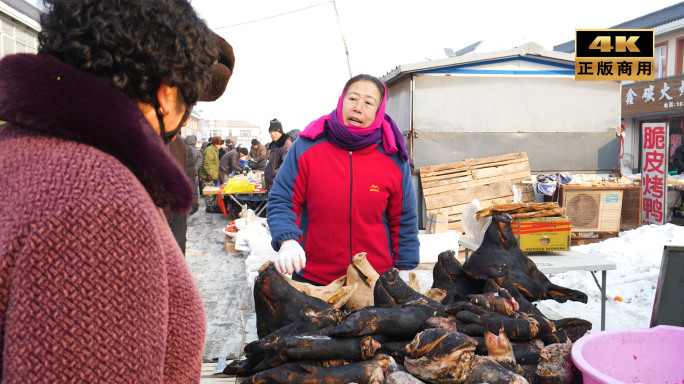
133,45
378,83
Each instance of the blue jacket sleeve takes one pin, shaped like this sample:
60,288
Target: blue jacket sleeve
281,217
409,245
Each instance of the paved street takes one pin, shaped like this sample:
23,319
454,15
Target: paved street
222,280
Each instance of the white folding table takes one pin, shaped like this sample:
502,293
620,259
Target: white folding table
563,261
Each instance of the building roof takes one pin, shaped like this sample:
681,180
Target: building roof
24,8
231,124
651,20
564,62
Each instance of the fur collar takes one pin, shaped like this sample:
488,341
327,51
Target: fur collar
50,96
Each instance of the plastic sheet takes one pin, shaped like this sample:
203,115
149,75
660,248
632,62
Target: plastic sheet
474,227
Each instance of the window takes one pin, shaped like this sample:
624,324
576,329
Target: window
660,60
16,38
679,61
245,132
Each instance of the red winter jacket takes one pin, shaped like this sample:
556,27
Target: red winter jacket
338,203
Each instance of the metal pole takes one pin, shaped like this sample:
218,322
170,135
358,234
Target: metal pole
412,128
346,51
603,299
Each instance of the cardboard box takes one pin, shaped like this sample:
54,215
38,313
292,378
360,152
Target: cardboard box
437,223
542,233
230,245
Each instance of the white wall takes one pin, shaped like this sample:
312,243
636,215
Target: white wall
515,104
400,106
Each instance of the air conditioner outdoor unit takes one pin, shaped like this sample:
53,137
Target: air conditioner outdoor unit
594,211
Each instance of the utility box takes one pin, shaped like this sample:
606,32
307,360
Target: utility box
629,217
540,234
593,210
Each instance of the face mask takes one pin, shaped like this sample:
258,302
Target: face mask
168,136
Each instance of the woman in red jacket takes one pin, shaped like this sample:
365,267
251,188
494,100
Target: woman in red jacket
345,187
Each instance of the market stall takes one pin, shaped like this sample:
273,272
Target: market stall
297,325
244,191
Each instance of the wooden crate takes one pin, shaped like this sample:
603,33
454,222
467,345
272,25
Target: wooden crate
208,377
579,239
449,188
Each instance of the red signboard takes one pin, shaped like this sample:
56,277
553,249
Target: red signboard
654,173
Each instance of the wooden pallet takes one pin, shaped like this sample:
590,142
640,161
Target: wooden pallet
209,378
580,239
449,188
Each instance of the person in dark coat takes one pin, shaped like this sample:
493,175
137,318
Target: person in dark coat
186,156
227,146
678,158
277,150
230,162
204,146
193,164
178,222
294,134
257,156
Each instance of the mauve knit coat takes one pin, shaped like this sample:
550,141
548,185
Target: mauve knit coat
93,287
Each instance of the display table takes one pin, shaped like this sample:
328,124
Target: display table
563,261
257,197
679,189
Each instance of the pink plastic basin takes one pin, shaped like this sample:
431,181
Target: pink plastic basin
654,355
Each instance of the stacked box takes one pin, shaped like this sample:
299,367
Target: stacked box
230,245
542,233
437,223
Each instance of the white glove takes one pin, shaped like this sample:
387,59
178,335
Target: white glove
291,257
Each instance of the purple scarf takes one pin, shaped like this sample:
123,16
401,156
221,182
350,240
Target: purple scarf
352,138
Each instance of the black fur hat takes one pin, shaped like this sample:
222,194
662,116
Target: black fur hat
220,71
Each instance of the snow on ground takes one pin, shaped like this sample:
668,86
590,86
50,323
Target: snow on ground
638,254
